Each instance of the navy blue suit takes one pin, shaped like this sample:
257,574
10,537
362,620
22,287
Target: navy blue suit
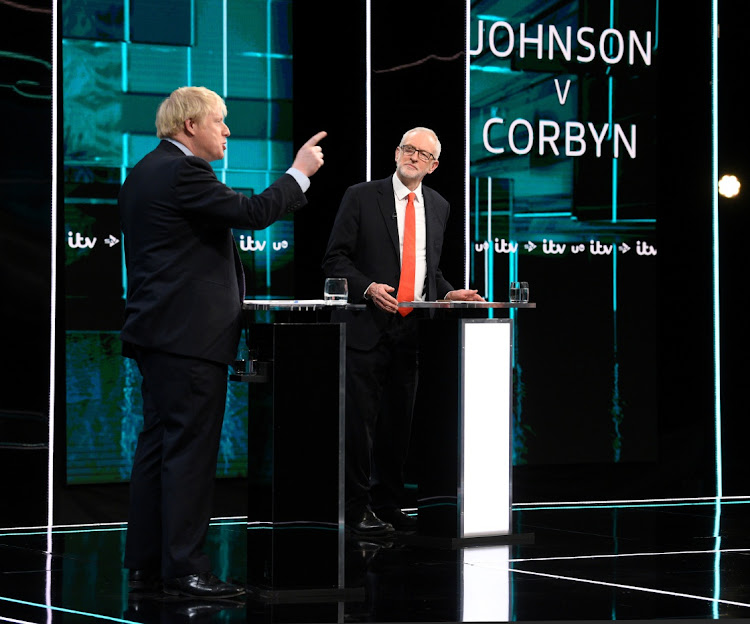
182,325
381,352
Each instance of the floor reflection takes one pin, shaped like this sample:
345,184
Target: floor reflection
159,609
629,561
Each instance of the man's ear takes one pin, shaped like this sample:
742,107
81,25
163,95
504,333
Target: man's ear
189,126
433,165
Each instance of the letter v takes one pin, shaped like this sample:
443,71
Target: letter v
562,96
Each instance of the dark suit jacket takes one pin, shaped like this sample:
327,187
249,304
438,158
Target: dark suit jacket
183,268
364,248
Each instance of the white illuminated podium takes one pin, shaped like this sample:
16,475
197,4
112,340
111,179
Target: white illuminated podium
462,430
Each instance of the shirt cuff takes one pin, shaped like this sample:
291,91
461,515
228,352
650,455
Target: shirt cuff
302,179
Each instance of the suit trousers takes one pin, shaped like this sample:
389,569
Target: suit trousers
174,469
381,386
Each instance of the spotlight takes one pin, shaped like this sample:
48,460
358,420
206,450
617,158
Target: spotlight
729,186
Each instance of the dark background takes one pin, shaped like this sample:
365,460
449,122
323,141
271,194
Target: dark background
329,93
681,317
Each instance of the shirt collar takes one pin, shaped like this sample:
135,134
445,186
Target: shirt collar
184,148
402,192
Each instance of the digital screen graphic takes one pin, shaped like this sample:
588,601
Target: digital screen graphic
119,61
562,194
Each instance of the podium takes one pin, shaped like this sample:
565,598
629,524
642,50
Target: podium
461,435
462,430
295,535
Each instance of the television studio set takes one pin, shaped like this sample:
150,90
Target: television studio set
459,291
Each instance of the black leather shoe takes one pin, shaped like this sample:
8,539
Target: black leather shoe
203,585
401,521
144,581
367,523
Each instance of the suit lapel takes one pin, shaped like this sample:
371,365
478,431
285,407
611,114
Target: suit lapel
431,226
387,207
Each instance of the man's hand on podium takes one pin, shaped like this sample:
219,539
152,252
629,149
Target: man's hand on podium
463,295
381,297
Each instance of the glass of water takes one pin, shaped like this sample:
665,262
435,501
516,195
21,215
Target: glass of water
336,290
524,292
514,293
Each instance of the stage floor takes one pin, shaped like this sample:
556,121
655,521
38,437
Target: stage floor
625,561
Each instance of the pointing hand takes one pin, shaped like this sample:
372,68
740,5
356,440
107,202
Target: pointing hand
309,158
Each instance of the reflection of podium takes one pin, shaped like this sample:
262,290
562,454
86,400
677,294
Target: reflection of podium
461,436
295,532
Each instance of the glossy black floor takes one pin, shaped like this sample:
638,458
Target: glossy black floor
679,559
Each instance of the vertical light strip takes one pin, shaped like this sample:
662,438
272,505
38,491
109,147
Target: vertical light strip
124,46
125,154
715,236
123,175
126,21
192,23
512,260
224,46
52,329
717,559
124,68
189,65
614,243
269,125
611,119
489,256
269,88
472,275
368,90
224,76
467,148
53,276
717,333
189,49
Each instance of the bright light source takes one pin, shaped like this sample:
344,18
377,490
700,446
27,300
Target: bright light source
729,186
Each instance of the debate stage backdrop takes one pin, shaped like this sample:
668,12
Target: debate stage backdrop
577,160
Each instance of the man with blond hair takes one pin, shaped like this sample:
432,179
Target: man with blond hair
182,326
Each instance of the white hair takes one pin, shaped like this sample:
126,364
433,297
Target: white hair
428,131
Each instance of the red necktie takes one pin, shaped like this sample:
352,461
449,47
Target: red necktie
408,257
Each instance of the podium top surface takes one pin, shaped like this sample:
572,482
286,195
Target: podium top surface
463,305
297,305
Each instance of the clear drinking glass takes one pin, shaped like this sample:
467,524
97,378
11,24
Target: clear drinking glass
514,293
524,292
336,290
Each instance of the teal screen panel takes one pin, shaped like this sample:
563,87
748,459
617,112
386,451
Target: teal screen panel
119,61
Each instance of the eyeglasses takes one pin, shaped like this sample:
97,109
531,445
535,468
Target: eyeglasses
410,149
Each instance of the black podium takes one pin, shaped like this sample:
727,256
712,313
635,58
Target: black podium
462,437
295,452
